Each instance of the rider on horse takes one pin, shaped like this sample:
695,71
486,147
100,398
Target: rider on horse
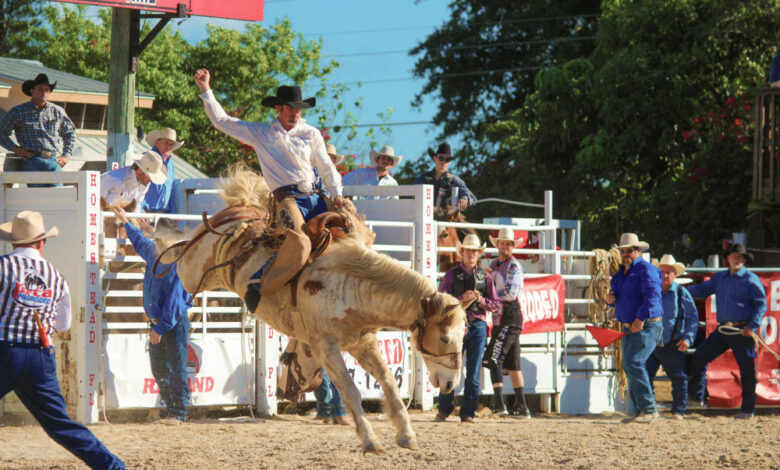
288,150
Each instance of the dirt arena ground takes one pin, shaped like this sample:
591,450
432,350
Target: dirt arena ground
708,439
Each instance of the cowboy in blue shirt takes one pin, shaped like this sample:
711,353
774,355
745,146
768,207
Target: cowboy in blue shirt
636,294
740,301
680,324
166,305
159,197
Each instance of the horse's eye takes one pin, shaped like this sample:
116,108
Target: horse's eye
445,339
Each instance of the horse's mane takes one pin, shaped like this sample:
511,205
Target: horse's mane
242,186
357,260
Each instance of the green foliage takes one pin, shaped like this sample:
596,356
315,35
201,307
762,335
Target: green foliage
620,135
245,66
16,17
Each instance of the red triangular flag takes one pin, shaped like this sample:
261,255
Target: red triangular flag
604,336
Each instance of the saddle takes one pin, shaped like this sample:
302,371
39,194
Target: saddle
301,248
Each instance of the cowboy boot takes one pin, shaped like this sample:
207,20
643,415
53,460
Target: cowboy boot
290,258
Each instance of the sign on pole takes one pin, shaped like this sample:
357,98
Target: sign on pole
246,10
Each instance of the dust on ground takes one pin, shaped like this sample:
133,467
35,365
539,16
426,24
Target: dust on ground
705,439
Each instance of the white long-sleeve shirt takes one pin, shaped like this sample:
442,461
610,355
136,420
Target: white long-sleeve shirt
286,157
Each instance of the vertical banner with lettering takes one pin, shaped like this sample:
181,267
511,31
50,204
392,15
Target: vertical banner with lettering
269,348
542,304
87,316
723,379
424,263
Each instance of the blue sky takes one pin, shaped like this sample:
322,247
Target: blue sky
362,36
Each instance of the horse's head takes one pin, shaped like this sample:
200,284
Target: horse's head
439,339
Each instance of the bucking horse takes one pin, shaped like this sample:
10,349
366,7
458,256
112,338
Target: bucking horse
344,294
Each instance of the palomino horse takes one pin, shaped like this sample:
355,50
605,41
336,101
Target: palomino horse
337,303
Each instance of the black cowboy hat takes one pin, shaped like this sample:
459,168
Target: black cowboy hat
739,248
289,95
40,79
443,149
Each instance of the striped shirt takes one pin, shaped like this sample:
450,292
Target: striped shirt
38,129
29,283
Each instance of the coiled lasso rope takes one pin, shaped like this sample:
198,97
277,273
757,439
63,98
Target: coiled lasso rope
731,330
602,267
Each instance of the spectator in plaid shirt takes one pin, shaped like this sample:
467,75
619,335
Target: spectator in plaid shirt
38,126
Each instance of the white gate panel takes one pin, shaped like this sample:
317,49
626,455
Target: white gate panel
216,372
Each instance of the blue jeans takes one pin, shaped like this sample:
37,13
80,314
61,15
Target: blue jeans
473,349
169,368
329,404
637,348
31,372
41,164
744,349
311,205
673,361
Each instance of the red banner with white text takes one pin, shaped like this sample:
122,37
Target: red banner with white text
542,304
723,379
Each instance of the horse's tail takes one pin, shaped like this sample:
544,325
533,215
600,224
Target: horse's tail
243,187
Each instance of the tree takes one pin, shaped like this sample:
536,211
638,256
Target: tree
16,17
611,133
245,66
480,64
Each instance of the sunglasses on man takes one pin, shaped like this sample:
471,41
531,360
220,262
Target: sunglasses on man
444,159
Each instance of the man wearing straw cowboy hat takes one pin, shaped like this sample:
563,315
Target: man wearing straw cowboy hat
288,150
126,187
443,181
40,127
469,281
636,295
740,301
503,352
383,161
680,324
36,301
158,196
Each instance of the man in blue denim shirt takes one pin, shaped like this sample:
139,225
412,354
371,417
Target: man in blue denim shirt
740,301
165,303
680,323
636,294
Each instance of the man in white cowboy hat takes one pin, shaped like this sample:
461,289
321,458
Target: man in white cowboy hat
469,281
158,197
443,181
36,303
636,295
740,301
382,161
126,187
503,351
288,150
334,155
41,129
680,324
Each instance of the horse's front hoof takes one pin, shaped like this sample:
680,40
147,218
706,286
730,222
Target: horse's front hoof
374,448
408,443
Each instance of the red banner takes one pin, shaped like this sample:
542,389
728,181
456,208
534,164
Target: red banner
542,304
723,382
247,10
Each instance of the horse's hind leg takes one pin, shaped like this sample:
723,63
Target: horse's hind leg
372,361
337,371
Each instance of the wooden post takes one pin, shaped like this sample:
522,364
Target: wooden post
121,88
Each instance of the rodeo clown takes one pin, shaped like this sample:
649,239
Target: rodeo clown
469,281
288,150
503,352
36,301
